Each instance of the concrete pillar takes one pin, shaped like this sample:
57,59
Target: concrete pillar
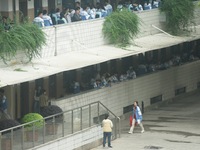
46,84
78,75
9,7
45,4
31,94
119,66
58,4
30,9
18,101
59,85
109,66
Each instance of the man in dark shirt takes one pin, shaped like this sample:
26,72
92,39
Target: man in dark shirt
76,16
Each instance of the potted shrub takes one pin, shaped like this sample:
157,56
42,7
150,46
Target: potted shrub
6,139
120,27
52,124
39,122
179,15
16,37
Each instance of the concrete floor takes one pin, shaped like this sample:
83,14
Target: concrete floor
173,126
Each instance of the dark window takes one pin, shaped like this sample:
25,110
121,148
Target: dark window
198,85
180,91
127,109
156,99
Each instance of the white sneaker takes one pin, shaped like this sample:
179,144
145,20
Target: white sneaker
142,131
130,132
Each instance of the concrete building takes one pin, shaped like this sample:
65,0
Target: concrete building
68,56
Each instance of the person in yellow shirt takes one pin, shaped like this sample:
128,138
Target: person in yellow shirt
107,130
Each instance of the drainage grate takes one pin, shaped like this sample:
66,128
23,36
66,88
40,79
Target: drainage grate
152,147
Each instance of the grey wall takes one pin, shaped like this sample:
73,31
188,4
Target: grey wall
141,89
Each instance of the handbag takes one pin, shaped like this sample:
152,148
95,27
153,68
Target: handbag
130,120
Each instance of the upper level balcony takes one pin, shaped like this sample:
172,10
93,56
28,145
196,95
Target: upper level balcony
76,45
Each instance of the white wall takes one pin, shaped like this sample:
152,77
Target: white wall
75,141
45,3
89,34
141,89
30,4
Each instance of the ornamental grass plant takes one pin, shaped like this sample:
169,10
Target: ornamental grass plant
179,15
25,37
120,27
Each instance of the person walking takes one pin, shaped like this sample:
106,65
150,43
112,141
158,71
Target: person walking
137,118
107,130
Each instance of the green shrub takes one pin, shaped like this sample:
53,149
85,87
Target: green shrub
179,14
120,27
33,117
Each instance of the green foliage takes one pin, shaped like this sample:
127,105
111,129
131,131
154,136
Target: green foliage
120,27
33,117
25,37
179,14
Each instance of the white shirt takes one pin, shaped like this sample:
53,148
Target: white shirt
84,13
39,20
46,17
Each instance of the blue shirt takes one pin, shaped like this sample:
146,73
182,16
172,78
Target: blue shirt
3,104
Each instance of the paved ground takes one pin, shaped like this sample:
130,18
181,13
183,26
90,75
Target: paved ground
175,126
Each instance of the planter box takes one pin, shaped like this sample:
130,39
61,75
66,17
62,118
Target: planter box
6,144
29,136
50,129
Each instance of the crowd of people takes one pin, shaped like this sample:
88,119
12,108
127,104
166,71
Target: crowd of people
139,5
88,11
106,79
68,15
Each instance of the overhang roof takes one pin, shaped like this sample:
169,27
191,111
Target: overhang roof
78,59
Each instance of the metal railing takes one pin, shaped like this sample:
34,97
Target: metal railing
75,120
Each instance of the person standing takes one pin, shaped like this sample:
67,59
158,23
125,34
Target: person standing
36,105
3,105
107,130
43,99
76,16
39,21
137,118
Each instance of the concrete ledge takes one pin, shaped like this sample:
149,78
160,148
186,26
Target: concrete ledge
90,145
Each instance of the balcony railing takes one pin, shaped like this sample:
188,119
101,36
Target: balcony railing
76,120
